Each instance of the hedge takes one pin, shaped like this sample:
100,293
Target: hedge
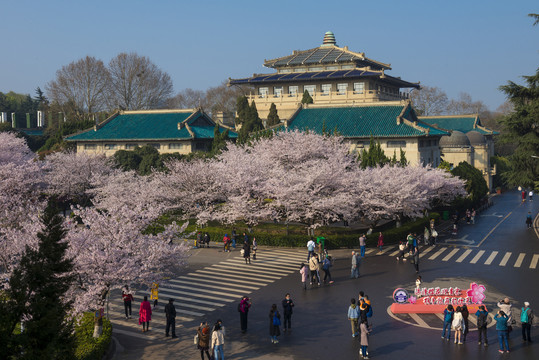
333,241
89,348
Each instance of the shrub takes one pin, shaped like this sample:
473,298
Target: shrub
89,348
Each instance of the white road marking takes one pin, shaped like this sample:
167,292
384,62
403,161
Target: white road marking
463,256
505,259
197,279
437,254
491,258
227,277
535,259
450,255
251,271
477,257
429,249
520,259
418,320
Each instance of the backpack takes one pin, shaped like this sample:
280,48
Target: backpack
369,311
524,315
482,319
310,247
276,320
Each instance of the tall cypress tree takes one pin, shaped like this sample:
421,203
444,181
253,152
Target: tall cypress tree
36,296
273,117
307,99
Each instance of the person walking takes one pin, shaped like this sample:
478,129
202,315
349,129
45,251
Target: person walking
255,248
233,238
529,220
458,325
206,239
288,306
482,318
526,318
468,216
243,309
314,264
380,242
310,248
127,297
506,306
364,341
226,243
523,195
473,216
501,327
154,294
354,273
353,316
448,320
247,251
531,195
145,314
410,243
170,313
304,275
426,236
465,315
275,323
218,341
362,244
326,264
415,259
402,250
203,345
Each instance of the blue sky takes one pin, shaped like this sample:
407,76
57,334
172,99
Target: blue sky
469,46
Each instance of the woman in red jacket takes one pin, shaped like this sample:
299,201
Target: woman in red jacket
145,314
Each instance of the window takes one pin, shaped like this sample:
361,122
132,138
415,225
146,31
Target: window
300,69
347,67
396,144
359,88
154,145
175,146
332,68
341,89
325,89
90,146
263,92
111,146
293,90
310,89
285,71
130,146
316,68
277,91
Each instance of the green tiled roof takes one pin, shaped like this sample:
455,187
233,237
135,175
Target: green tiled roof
462,123
362,121
151,126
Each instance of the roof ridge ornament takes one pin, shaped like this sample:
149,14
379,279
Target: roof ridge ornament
329,39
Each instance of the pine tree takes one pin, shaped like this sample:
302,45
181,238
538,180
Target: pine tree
36,296
403,162
273,117
307,99
242,109
219,140
373,157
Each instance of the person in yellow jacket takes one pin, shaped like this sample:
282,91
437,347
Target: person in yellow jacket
154,293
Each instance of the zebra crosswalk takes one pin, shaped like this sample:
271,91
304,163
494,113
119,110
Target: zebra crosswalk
200,292
472,256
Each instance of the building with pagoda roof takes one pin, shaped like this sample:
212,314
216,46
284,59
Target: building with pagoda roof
331,74
169,131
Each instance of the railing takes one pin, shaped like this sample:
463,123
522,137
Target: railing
332,96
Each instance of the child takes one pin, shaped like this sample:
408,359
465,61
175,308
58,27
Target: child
417,285
353,316
304,275
364,342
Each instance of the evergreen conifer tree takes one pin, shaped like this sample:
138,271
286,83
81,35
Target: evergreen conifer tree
403,162
242,109
307,99
36,297
273,117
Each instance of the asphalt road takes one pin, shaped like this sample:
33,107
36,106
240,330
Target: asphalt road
479,253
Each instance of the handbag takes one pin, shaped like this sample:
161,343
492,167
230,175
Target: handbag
195,340
242,251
